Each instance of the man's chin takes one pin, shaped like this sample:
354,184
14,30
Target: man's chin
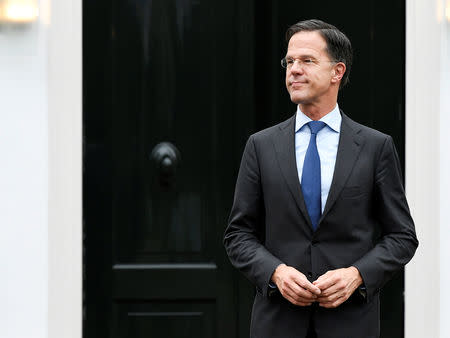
299,99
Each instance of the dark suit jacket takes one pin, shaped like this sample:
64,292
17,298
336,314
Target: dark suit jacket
366,223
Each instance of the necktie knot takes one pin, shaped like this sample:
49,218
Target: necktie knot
316,126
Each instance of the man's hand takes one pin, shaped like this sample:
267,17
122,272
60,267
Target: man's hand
337,286
294,286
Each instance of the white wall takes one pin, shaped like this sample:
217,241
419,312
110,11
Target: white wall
23,182
40,175
427,167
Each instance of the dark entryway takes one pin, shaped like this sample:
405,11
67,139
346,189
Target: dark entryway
172,90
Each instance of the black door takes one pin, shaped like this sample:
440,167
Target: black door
164,130
172,89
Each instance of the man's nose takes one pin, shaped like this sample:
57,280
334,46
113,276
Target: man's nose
297,67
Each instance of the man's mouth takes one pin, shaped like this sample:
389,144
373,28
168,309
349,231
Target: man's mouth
297,83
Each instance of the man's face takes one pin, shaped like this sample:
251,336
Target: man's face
309,79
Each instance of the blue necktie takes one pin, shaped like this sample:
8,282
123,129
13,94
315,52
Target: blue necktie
311,182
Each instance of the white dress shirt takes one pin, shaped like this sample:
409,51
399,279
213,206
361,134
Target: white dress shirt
327,145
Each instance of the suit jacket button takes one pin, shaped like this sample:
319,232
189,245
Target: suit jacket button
310,274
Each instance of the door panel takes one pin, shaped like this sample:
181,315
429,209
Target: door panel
159,320
165,281
168,71
162,93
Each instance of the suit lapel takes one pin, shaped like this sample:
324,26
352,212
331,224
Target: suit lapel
350,144
284,143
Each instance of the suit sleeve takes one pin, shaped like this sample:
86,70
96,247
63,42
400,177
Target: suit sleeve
244,236
397,242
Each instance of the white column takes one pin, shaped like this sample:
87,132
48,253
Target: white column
444,153
65,169
427,168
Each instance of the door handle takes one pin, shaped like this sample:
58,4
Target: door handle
166,158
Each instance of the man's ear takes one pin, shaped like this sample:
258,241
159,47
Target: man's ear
338,72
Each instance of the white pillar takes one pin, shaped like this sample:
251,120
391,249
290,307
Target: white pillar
65,169
427,168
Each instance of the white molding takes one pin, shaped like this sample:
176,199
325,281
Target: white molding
423,170
65,168
444,154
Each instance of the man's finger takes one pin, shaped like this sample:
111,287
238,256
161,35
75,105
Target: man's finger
298,292
306,294
306,284
302,292
331,298
325,281
331,290
297,301
333,304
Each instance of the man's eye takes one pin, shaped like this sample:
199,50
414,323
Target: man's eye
308,61
290,61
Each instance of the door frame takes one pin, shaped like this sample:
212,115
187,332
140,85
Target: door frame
62,35
64,213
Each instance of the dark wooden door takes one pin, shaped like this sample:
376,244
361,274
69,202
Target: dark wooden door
164,132
172,89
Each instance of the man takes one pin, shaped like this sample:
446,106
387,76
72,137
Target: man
320,220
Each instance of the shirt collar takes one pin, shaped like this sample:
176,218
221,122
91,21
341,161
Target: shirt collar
332,119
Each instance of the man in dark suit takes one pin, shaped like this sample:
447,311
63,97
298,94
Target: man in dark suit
320,221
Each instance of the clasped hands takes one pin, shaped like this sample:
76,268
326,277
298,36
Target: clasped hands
329,290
